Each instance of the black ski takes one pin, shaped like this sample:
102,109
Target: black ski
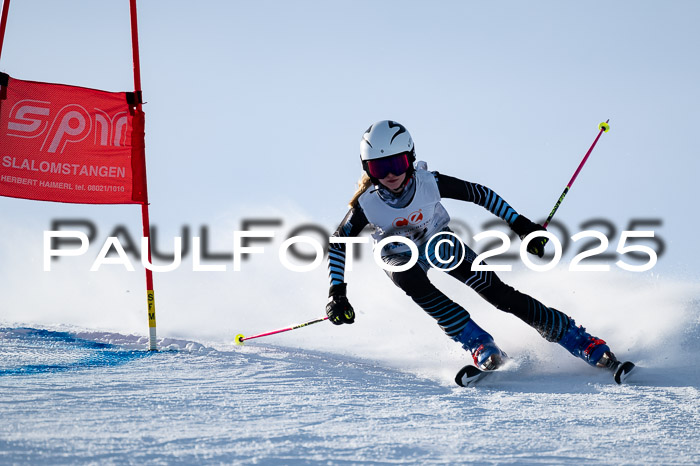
622,371
468,376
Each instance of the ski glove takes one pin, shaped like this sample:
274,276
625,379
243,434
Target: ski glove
338,309
522,226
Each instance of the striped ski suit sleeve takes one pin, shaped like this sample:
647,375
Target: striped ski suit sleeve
353,223
454,188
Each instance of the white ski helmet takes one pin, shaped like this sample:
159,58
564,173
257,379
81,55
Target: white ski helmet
384,139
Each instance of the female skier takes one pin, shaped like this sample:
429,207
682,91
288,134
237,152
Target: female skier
397,199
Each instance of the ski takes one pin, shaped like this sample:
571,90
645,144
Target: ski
622,371
468,376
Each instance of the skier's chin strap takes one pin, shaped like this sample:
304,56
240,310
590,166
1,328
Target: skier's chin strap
409,174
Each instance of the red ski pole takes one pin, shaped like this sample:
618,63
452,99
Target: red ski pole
240,338
604,127
3,22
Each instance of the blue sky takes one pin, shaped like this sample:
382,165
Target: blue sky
257,108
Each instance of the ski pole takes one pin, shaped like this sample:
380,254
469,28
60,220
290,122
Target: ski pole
240,338
604,127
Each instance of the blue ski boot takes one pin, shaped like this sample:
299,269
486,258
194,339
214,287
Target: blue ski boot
487,356
591,349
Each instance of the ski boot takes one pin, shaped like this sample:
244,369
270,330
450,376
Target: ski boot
591,349
487,356
595,352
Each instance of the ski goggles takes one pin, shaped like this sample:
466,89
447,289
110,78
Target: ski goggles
396,164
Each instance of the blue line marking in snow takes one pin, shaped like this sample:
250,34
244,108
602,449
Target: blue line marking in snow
61,351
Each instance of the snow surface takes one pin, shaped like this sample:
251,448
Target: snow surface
80,395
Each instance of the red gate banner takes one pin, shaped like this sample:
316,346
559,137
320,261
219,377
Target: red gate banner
70,144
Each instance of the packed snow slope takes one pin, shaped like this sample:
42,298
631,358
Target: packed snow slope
72,395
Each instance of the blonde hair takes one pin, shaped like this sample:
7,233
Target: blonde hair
363,185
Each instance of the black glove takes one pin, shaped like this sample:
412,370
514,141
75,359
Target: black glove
338,309
522,226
